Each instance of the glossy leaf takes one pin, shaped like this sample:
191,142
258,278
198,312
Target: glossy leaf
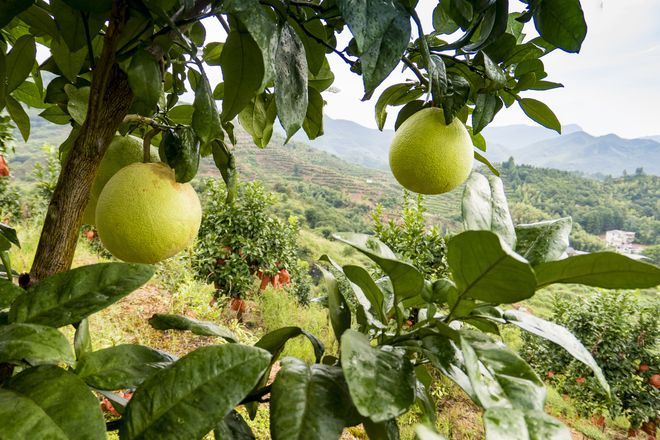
560,336
34,344
19,116
19,61
387,430
486,270
11,8
233,427
600,269
77,102
8,233
407,281
203,328
290,80
71,24
486,108
438,78
242,72
407,111
8,293
194,389
29,93
69,297
275,341
382,32
380,379
375,300
122,366
56,115
68,62
397,94
340,314
309,401
446,357
484,207
59,405
82,340
179,148
507,381
561,23
205,118
313,123
483,160
144,78
543,241
425,433
515,424
257,118
541,113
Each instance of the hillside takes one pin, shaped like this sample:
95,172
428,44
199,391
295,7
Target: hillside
332,194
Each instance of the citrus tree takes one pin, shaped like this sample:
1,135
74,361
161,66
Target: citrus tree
114,66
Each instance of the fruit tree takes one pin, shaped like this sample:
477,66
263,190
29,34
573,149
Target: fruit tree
119,67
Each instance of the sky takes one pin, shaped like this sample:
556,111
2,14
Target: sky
611,86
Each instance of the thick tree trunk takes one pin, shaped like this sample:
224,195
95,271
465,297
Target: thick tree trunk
109,101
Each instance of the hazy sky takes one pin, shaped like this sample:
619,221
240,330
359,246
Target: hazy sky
611,86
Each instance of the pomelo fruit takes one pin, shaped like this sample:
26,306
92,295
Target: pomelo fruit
429,157
122,151
144,216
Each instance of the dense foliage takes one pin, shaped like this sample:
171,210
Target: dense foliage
622,333
629,202
240,240
411,239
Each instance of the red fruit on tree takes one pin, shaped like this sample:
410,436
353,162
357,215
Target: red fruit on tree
550,374
580,380
90,235
238,305
643,368
265,279
285,278
276,281
655,381
4,168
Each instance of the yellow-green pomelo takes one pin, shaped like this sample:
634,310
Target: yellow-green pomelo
429,157
122,151
144,216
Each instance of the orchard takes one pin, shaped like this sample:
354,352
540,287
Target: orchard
113,68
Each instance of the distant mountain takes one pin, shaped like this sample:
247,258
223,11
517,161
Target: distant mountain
573,150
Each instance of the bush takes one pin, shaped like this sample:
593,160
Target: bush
622,335
411,239
241,239
10,206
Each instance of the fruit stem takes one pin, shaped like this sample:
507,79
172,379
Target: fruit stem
146,145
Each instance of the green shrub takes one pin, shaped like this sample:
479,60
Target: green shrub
622,335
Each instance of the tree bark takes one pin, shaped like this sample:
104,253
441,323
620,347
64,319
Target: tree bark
109,101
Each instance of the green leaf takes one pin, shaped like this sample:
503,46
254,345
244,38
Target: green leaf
323,79
387,430
375,301
8,293
507,379
69,297
71,24
309,401
122,366
179,148
493,26
257,118
275,341
82,340
407,111
290,80
34,344
9,234
438,78
29,93
425,433
205,119
233,427
545,85
442,23
242,72
543,241
406,279
203,328
87,6
212,52
484,207
49,402
340,314
313,123
314,50
486,108
560,336
77,103
446,357
19,61
398,94
486,270
561,23
515,424
68,62
56,115
194,389
19,116
11,8
457,96
181,114
601,269
144,78
382,32
367,369
541,113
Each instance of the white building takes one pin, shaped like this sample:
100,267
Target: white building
621,241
